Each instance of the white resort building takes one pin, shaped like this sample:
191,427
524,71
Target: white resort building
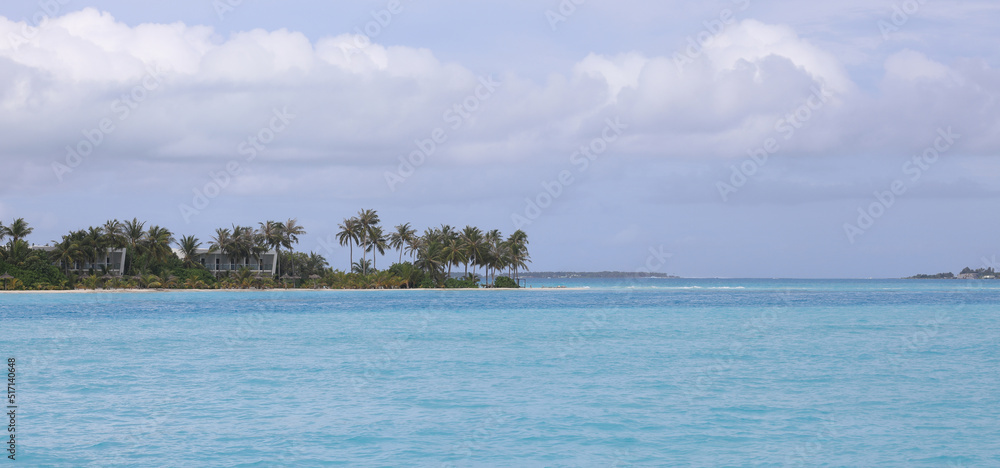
219,264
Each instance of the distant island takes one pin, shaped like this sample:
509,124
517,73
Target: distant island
591,274
967,273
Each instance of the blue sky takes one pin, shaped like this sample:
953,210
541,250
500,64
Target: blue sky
747,138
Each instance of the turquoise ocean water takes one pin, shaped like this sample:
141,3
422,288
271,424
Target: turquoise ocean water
625,373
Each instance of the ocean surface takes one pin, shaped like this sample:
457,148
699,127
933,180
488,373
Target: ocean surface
649,372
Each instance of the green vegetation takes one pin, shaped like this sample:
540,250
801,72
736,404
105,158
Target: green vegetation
937,276
505,282
152,262
435,253
966,273
24,268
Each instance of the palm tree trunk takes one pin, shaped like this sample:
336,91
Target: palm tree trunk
364,254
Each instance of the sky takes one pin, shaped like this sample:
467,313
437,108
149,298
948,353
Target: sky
730,138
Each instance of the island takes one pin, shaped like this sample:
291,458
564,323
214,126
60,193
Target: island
966,273
138,255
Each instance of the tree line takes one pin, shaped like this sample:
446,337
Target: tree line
150,261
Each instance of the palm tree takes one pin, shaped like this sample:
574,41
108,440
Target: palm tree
70,250
272,232
403,237
517,249
348,234
453,254
133,232
472,245
246,244
157,243
315,264
361,267
189,249
290,232
406,272
223,243
18,230
414,246
94,245
447,232
429,256
367,219
3,233
114,233
491,254
377,243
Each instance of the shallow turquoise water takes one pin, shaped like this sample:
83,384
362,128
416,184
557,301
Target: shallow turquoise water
626,373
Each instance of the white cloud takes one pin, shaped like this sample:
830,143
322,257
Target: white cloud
363,105
753,41
619,72
909,65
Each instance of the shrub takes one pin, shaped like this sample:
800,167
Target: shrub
197,274
469,282
505,282
413,276
33,272
428,283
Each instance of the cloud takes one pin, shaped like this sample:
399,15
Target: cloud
359,106
909,65
752,41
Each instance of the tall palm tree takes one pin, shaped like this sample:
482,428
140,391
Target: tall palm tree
189,249
377,243
348,234
133,232
273,235
114,231
517,249
491,255
70,250
247,243
367,219
157,243
447,232
429,255
403,237
473,246
18,230
94,245
290,232
453,253
223,243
